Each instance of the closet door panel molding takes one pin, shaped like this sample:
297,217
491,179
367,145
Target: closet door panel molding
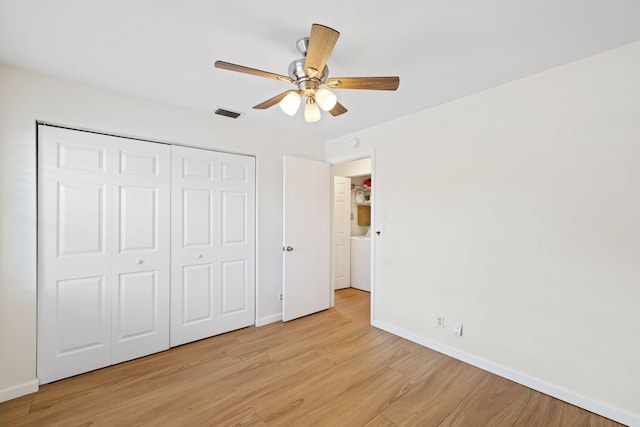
141,279
193,255
103,250
213,249
75,218
237,244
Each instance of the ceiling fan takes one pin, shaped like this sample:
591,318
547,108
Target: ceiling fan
311,76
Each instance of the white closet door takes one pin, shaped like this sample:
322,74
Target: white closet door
74,252
213,249
142,205
341,232
93,218
236,252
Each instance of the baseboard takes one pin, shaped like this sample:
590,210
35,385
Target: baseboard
18,390
269,319
592,405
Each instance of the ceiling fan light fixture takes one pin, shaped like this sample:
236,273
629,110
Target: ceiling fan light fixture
290,103
326,99
310,75
311,111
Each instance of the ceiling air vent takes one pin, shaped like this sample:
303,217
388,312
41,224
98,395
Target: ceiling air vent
227,113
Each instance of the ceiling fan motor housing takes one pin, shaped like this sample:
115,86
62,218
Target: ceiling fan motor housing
297,71
306,84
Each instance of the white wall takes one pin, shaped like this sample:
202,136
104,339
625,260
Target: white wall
26,97
358,167
516,211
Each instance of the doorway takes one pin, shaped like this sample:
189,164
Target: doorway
352,225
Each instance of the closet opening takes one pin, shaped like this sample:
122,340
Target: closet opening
142,246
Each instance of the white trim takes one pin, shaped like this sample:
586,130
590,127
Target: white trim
18,390
350,157
592,405
373,228
256,242
138,138
269,319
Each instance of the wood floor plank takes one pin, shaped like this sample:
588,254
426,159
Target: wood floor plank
135,398
494,402
310,395
372,395
190,393
421,363
246,417
548,411
379,421
15,409
434,397
272,382
331,369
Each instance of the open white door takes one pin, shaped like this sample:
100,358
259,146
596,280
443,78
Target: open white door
307,236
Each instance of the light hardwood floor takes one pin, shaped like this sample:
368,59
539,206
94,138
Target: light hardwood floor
329,369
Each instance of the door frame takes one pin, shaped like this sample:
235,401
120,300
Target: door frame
364,154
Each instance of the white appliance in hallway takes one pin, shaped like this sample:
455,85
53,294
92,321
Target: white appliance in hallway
361,263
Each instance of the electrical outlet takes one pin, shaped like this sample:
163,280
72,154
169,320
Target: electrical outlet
280,298
440,321
457,329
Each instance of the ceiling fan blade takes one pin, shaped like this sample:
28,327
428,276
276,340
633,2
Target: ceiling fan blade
321,43
371,83
338,109
272,101
242,69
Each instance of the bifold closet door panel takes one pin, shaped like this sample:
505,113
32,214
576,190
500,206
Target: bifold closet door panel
75,218
237,241
140,294
213,243
103,250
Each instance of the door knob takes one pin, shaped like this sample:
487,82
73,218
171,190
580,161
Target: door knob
139,261
288,248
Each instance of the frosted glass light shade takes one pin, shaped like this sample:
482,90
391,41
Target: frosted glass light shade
326,99
290,103
311,112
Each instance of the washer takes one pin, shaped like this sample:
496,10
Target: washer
361,263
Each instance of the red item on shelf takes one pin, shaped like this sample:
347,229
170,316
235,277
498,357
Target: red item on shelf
367,182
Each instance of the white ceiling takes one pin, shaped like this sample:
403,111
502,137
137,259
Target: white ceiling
441,49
